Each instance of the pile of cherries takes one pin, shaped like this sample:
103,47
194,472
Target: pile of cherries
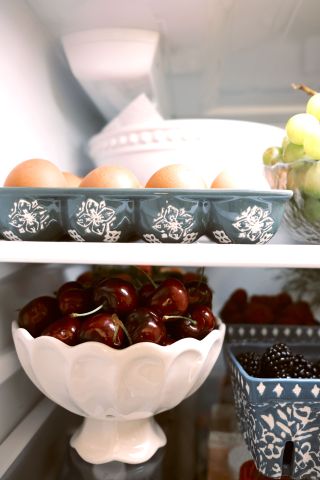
120,308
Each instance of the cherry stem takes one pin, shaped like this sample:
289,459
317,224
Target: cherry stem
304,88
177,317
120,324
146,275
74,315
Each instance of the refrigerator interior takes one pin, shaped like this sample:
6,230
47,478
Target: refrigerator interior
220,59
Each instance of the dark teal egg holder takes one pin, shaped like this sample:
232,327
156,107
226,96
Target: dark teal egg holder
151,215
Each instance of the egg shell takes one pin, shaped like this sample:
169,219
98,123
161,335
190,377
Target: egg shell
176,176
72,179
35,173
241,178
110,176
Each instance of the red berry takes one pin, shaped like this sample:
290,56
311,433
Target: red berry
36,315
145,293
116,295
144,325
258,313
74,300
105,328
170,298
65,329
199,293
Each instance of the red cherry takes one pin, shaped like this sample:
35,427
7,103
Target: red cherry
116,295
65,329
170,298
199,293
105,328
204,316
145,293
74,299
72,285
36,315
144,325
87,279
168,340
198,324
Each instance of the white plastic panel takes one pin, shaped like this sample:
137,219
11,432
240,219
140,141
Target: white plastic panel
218,54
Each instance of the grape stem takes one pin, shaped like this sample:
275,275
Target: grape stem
304,88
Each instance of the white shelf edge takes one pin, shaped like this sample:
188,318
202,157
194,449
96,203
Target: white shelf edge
196,254
19,438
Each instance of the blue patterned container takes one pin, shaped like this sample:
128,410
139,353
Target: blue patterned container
151,215
273,412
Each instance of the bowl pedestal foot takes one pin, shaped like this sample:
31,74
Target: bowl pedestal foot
129,441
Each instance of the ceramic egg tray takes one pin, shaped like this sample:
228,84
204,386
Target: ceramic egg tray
151,215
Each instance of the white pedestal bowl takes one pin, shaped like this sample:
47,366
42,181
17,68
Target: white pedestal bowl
117,391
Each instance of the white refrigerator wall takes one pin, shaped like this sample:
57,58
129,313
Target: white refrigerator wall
44,113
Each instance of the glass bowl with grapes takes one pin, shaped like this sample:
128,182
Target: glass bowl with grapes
295,165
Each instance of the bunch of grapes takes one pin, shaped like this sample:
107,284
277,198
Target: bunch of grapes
302,140
123,308
295,165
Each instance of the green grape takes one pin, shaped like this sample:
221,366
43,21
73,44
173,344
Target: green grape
285,142
313,106
312,143
272,155
293,152
299,125
311,184
311,209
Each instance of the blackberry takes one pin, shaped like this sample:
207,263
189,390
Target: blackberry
251,362
276,362
302,368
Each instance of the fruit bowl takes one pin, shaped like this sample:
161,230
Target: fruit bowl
302,212
152,215
279,417
117,391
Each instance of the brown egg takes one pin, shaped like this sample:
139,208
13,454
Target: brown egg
71,179
176,176
241,178
109,176
35,173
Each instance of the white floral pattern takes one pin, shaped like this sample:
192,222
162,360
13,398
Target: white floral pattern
267,427
190,237
10,235
75,235
253,223
151,238
173,222
221,236
95,217
29,216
